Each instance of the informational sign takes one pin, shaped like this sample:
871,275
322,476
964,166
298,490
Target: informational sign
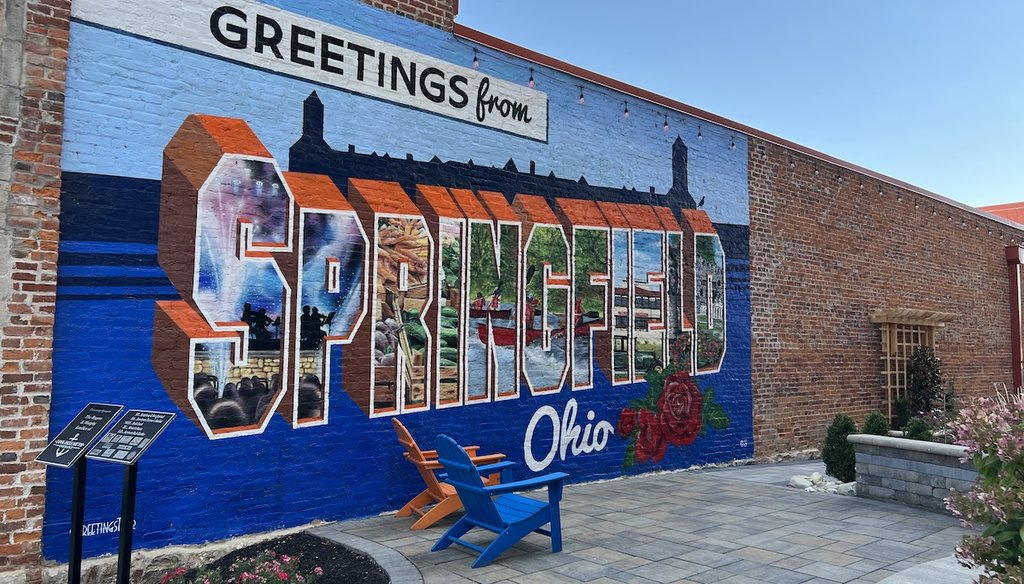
65,450
131,436
260,35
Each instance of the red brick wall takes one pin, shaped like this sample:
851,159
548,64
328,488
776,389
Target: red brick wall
33,135
825,252
437,13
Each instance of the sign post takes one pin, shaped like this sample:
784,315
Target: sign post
124,444
65,451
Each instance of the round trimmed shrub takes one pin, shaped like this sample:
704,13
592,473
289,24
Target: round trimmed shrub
917,429
876,424
840,459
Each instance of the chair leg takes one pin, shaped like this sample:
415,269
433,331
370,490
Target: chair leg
438,512
416,504
458,530
556,529
497,547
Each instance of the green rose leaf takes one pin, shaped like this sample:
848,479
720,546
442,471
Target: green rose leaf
715,416
630,453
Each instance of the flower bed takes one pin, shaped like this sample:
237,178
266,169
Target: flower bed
912,472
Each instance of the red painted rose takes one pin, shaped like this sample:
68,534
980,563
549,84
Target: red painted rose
650,441
627,422
679,407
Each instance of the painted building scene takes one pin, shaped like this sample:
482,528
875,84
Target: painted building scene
298,226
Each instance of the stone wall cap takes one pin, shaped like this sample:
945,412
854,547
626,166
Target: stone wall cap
908,444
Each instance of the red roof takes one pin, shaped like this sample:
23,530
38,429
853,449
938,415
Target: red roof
1011,211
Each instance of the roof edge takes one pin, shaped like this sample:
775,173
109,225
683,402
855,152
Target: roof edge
514,50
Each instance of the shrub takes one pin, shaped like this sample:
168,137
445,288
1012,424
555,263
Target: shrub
924,379
876,424
993,433
901,407
917,429
840,459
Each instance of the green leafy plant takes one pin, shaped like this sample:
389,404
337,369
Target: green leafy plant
924,379
901,409
876,424
838,454
918,429
993,433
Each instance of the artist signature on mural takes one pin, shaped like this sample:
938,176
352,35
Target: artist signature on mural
566,435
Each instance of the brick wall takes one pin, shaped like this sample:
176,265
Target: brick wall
34,58
437,13
825,252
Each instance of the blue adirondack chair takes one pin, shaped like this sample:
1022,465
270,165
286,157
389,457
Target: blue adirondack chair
496,508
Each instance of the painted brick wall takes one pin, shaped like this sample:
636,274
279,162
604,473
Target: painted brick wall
33,62
122,256
823,254
437,13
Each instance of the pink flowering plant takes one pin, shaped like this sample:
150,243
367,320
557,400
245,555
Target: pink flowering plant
265,568
185,576
271,568
993,433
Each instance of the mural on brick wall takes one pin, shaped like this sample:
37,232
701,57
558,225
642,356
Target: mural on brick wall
290,295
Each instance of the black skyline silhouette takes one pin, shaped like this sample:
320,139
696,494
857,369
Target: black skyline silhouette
311,153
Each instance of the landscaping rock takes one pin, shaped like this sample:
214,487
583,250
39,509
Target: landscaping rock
800,482
816,483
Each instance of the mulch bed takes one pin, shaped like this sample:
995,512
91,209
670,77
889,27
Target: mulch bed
341,564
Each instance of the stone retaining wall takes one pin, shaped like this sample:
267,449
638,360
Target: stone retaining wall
913,472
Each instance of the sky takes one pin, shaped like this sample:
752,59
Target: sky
930,92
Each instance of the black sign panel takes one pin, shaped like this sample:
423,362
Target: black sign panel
130,436
65,450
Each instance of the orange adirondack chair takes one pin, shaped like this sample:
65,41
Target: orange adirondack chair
441,495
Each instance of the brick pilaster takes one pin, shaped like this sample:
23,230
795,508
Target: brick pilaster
35,51
437,13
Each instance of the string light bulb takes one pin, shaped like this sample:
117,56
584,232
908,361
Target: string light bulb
531,82
582,100
476,59
664,127
625,110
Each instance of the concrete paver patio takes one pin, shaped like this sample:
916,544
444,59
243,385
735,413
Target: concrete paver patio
735,525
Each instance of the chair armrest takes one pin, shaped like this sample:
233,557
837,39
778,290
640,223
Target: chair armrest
429,464
487,458
496,467
470,450
554,478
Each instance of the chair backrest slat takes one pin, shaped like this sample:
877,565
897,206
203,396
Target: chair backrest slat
463,475
417,458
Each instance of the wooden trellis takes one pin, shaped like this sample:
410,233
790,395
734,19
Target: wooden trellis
903,329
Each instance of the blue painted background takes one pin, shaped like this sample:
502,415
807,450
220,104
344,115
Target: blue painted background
125,99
